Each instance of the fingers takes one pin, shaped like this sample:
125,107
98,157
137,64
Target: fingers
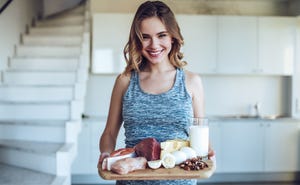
101,158
211,153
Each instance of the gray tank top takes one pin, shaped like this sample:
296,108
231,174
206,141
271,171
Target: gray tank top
162,116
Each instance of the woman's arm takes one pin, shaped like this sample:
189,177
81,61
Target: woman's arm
114,121
195,89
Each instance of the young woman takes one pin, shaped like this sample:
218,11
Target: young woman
154,96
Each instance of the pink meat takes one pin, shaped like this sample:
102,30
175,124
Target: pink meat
148,148
127,165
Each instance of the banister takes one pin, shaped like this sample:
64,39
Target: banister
4,4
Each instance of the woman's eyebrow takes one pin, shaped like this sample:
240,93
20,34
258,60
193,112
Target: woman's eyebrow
162,32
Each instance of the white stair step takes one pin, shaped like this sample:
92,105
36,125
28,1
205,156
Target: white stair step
40,130
57,30
51,40
48,51
12,175
37,93
42,111
61,21
33,130
44,64
47,93
39,78
46,157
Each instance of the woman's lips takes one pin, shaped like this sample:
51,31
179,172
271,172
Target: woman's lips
155,53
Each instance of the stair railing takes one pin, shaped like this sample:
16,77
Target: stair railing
4,4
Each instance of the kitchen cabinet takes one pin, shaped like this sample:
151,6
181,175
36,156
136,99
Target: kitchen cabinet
200,42
215,142
295,99
212,44
260,146
276,45
242,146
282,146
237,44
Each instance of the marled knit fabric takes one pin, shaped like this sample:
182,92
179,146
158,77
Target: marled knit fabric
163,116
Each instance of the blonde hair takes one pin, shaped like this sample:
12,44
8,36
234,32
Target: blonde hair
132,51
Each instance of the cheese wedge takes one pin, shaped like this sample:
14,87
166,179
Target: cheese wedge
170,146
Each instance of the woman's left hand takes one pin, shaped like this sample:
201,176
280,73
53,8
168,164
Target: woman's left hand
212,156
211,153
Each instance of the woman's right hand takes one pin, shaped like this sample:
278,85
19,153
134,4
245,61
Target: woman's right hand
102,156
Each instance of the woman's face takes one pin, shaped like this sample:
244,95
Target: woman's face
157,42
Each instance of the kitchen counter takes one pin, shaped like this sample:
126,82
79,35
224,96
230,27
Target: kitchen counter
252,118
218,118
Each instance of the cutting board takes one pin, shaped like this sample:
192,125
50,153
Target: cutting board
161,173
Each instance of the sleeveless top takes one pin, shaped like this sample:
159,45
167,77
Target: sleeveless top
161,116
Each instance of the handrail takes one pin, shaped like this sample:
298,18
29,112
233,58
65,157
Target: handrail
5,5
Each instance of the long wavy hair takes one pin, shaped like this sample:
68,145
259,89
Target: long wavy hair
133,48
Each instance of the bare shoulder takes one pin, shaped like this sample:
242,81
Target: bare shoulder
192,79
193,84
122,82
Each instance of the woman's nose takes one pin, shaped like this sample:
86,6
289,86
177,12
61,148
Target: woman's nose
154,43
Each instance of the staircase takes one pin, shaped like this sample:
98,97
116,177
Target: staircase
42,100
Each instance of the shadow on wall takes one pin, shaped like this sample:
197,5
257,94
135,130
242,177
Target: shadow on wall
51,7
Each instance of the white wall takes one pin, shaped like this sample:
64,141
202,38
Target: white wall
13,22
224,95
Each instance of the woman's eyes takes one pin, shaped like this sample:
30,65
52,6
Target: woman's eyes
147,37
162,35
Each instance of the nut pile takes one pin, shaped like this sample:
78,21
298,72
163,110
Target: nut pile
194,164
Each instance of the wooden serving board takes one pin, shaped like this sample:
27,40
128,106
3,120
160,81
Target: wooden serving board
161,173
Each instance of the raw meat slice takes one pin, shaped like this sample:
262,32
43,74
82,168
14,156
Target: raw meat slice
148,148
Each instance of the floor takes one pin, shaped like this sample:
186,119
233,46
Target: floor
237,183
257,183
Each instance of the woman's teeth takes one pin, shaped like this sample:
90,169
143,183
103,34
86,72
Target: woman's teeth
155,53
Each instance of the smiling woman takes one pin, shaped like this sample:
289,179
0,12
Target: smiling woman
154,97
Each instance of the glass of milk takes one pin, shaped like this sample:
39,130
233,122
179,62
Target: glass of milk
199,136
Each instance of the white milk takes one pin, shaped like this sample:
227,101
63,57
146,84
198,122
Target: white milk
199,139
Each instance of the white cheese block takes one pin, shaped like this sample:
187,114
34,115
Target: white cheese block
170,146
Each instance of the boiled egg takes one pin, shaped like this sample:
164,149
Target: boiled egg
189,152
180,156
168,161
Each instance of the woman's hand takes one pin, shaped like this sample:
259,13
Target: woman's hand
103,155
212,156
211,153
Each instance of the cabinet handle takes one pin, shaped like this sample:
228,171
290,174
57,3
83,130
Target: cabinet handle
261,124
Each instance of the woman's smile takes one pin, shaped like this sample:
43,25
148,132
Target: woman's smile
155,53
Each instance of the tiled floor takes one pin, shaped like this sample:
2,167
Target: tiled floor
238,183
10,175
257,183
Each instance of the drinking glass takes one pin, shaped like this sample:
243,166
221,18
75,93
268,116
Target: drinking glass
199,136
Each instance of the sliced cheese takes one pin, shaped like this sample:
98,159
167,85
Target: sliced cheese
170,146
